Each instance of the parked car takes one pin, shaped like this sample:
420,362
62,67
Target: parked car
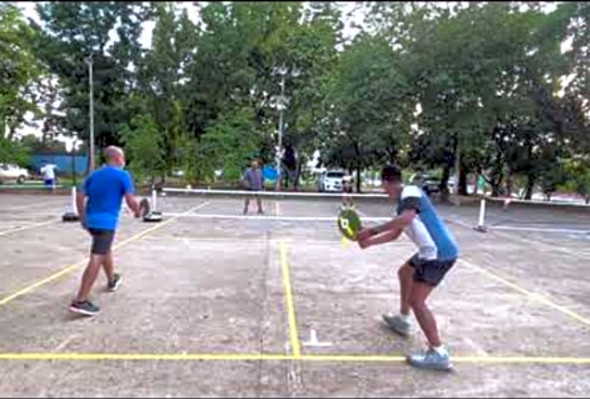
10,172
331,180
430,185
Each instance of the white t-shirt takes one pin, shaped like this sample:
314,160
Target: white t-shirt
417,231
48,171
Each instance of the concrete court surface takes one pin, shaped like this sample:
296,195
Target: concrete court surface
264,307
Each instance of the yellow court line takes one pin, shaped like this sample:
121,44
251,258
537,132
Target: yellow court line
282,357
293,334
75,266
30,226
530,294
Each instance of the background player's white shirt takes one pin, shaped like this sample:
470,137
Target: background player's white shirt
48,171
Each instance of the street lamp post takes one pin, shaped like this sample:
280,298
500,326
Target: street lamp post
91,99
282,104
281,127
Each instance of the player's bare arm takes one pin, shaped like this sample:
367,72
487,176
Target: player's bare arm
133,204
398,223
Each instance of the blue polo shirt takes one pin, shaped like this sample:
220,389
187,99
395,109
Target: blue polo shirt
105,189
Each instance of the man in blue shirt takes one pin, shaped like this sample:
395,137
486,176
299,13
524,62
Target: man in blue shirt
437,253
99,204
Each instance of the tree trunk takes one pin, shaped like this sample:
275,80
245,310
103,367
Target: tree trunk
444,183
530,184
509,184
463,181
587,199
496,180
358,179
548,196
496,190
297,177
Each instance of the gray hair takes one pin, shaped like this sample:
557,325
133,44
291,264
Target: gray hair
112,151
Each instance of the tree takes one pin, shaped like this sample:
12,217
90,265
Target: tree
19,71
370,106
72,32
163,73
230,143
144,145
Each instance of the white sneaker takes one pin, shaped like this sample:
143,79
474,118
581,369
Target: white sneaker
398,324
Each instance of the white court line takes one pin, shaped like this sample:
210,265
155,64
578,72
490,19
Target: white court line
313,340
53,202
538,202
537,242
254,240
27,227
272,193
272,218
539,230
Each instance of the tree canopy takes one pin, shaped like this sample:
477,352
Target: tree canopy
488,88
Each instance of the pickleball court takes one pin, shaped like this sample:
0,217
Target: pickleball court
217,304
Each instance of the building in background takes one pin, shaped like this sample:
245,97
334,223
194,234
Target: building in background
66,163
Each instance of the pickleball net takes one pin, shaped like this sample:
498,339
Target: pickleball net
373,208
277,206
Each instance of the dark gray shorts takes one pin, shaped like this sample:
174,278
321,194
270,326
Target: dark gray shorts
430,272
253,193
102,240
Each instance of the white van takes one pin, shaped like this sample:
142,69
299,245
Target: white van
331,180
9,172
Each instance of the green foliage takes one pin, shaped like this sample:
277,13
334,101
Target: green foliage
577,172
143,146
371,103
19,70
72,32
14,152
230,142
486,77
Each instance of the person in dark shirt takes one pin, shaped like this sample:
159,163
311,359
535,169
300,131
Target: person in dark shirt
253,181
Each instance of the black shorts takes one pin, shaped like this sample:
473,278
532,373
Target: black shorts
430,272
102,240
253,193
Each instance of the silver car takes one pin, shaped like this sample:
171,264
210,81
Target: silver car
10,172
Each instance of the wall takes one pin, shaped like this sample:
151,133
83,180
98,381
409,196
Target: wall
63,162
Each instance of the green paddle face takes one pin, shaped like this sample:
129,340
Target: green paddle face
349,223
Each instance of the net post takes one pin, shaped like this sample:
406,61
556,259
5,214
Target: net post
72,214
482,211
154,199
74,207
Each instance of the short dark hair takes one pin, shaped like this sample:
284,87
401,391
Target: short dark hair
391,174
